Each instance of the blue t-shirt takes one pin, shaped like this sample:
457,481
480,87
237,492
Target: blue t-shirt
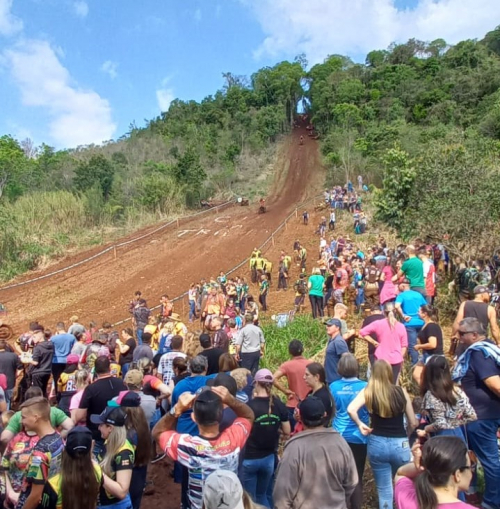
485,402
343,392
63,343
191,384
411,301
334,350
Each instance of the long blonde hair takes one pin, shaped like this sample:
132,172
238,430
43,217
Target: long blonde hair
389,313
382,397
115,441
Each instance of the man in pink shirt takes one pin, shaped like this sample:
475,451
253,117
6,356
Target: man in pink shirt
294,371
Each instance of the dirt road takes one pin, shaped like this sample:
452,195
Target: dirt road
168,261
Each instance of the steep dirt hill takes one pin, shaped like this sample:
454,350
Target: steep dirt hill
169,261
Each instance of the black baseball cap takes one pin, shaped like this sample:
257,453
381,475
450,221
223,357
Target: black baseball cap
312,409
115,416
79,439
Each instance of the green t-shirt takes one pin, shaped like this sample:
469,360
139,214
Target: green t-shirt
317,281
57,417
414,272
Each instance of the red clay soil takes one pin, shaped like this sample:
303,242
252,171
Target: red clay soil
169,261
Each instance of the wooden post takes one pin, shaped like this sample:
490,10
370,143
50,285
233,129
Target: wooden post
285,224
114,251
177,223
272,239
296,212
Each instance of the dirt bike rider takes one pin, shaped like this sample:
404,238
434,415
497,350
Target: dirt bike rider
301,139
262,205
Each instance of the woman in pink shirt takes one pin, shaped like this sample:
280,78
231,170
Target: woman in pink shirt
389,290
441,470
389,338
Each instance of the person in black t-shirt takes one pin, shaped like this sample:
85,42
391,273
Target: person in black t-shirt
9,366
96,396
271,416
315,378
126,345
41,361
212,354
430,339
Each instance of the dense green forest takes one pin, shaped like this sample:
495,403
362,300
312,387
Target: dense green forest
420,121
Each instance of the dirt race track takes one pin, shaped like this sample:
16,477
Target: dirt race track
169,261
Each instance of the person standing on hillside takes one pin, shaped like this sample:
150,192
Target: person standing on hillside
317,468
46,456
250,345
63,344
408,304
263,292
478,308
41,360
478,372
336,347
294,371
95,399
413,270
140,318
10,366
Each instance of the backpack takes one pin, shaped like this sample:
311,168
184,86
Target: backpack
301,286
467,281
3,382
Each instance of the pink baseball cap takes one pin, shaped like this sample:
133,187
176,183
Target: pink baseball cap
72,359
264,375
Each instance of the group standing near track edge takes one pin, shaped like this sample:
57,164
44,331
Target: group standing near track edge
97,406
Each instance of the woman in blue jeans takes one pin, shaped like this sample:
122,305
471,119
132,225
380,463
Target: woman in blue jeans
388,444
271,417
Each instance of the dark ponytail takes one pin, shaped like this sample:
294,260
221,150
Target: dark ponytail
426,496
442,456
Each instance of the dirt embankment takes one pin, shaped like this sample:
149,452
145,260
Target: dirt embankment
168,261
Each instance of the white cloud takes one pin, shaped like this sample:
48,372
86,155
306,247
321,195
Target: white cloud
164,95
197,15
110,68
9,24
81,8
77,116
324,27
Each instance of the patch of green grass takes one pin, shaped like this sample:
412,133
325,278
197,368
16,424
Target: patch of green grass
311,332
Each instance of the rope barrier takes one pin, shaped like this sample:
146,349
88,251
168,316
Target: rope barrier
114,247
261,247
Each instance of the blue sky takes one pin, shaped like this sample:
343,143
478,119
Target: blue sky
80,71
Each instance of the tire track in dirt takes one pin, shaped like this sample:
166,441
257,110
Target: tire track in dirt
169,261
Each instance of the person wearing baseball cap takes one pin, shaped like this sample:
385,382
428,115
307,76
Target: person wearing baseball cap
317,468
335,348
212,449
271,418
223,490
478,308
79,479
118,460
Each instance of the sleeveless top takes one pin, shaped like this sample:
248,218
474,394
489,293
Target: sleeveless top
477,310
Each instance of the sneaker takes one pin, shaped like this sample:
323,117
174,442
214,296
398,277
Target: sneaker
158,457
